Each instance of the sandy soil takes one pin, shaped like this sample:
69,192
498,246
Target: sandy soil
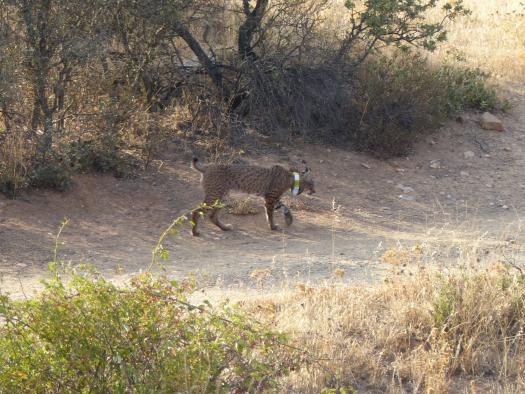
460,193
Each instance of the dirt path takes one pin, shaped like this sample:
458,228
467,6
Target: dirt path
452,204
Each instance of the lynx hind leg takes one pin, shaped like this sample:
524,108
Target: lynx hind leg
213,214
214,217
288,217
270,204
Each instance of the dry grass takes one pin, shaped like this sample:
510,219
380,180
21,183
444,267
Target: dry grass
13,163
491,38
308,204
428,331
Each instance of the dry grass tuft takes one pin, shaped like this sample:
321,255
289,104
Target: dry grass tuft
243,206
428,332
302,204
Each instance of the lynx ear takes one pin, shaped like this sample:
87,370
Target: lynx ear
306,168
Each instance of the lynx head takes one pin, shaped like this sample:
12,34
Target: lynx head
306,182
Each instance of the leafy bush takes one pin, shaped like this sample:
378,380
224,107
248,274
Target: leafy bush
53,171
400,97
395,101
465,88
87,335
101,157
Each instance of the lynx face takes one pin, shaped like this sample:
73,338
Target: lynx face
306,182
269,183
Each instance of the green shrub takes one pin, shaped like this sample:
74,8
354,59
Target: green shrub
465,88
101,157
395,101
400,97
88,335
53,171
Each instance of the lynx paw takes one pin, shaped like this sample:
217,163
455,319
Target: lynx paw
288,218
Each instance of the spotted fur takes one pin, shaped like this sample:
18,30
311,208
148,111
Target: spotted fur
270,183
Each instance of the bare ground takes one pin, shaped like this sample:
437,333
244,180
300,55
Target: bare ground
468,206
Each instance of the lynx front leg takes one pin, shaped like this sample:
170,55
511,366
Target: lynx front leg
288,218
195,215
269,204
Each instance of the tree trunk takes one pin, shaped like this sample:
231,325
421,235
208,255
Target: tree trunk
249,27
210,66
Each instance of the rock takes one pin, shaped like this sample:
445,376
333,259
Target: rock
435,164
406,197
321,161
464,173
504,207
406,189
490,122
468,154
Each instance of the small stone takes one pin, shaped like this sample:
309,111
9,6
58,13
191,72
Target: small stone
490,122
504,207
487,156
449,196
435,164
365,166
468,154
460,119
390,181
507,149
406,189
321,161
464,173
407,197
